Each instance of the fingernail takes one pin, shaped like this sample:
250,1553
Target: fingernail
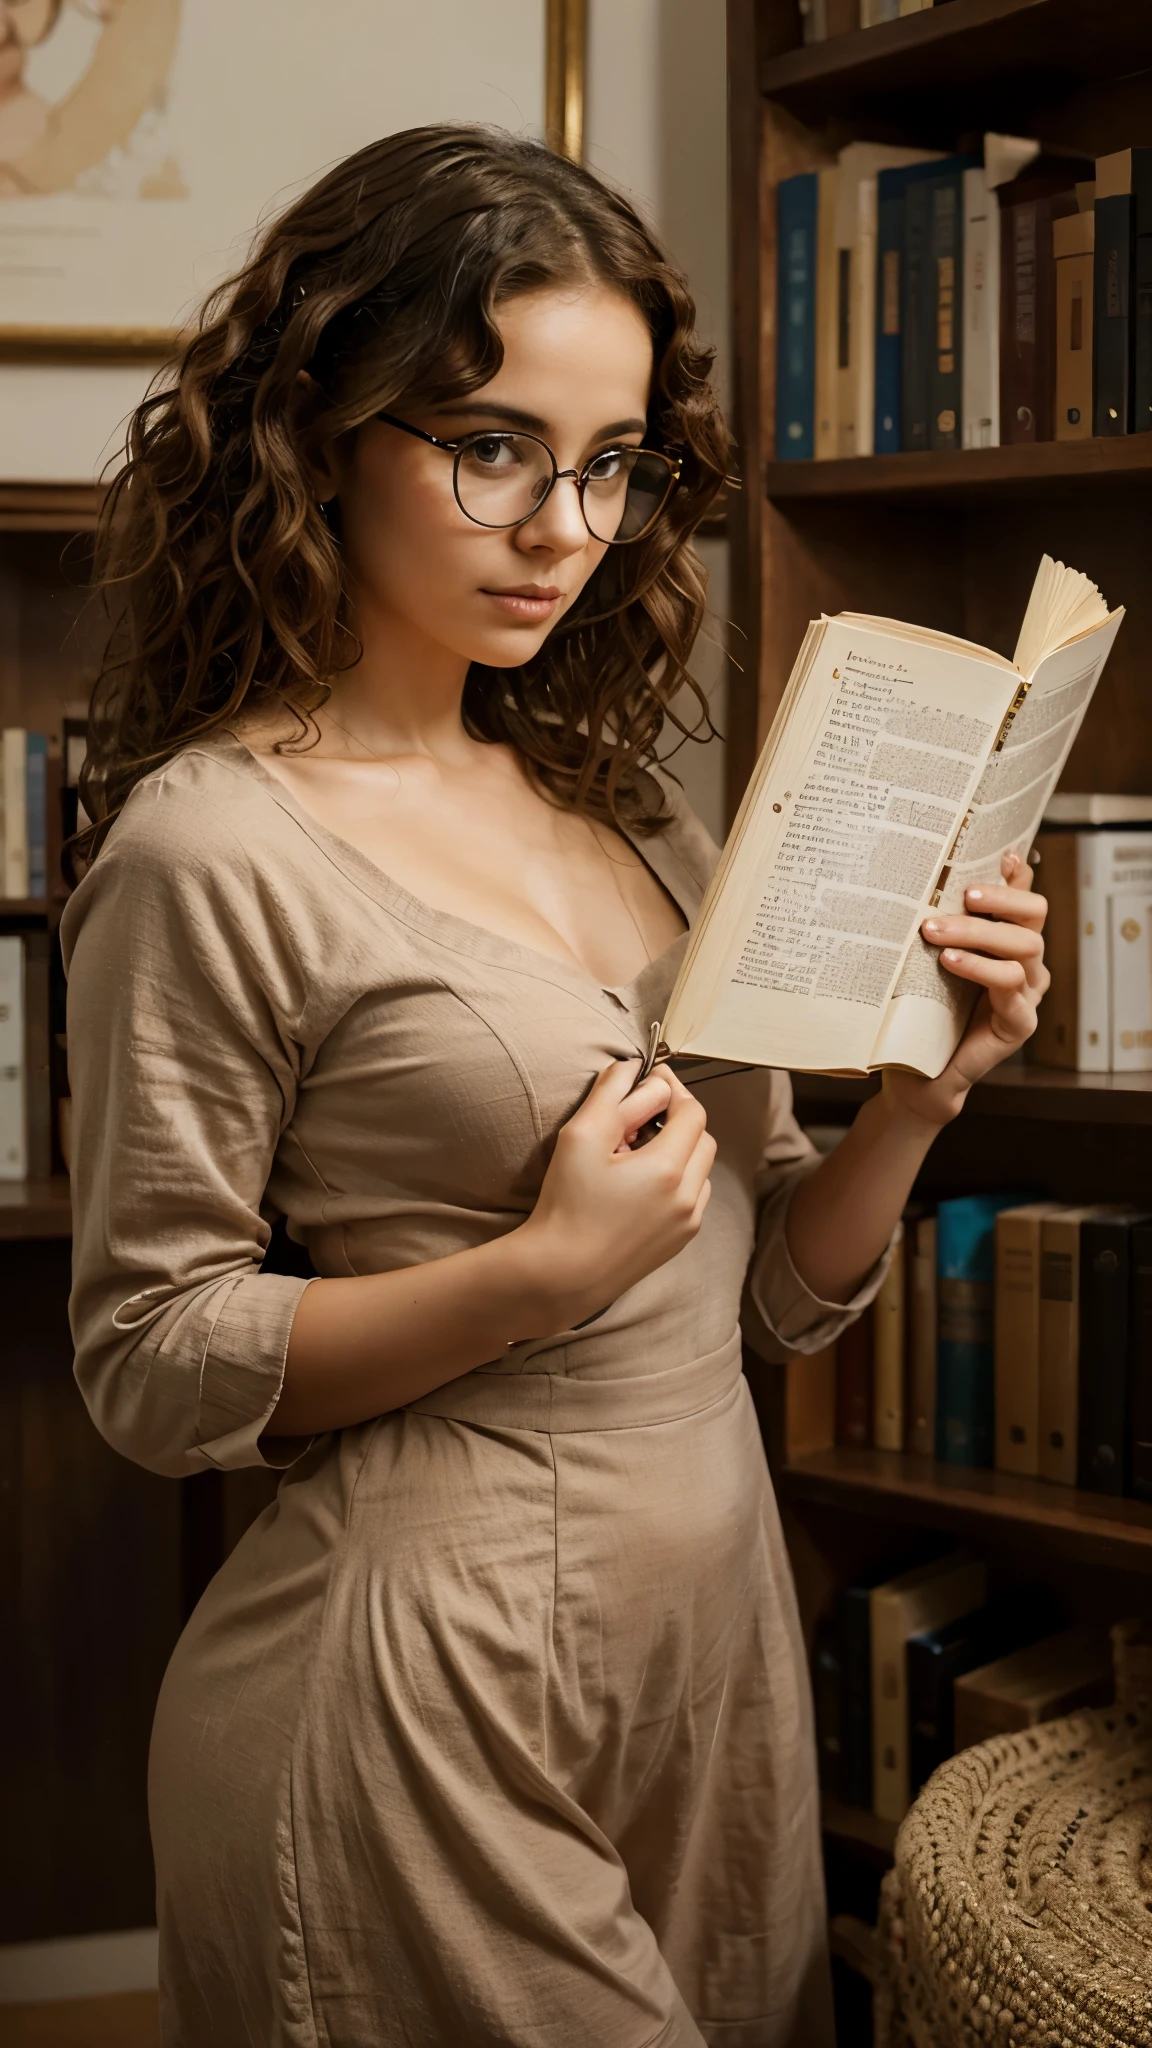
932,924
950,953
975,895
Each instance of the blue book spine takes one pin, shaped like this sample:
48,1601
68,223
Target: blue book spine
965,1277
889,252
796,316
35,796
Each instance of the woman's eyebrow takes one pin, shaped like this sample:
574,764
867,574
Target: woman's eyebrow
531,422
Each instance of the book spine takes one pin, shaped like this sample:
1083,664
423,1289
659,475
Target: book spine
964,1377
827,325
888,1356
854,1618
843,17
15,813
826,1685
1142,339
1074,347
1140,1369
922,1340
889,243
1094,1009
1018,322
814,20
1057,1034
37,1057
1017,1343
36,810
916,315
1047,210
13,1080
796,357
1130,976
1113,315
1103,1389
945,381
980,300
854,1384
864,316
1059,1348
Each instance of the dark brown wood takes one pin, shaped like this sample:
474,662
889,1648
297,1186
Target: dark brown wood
972,64
49,508
35,1209
1015,1090
89,1609
984,1504
969,475
857,1824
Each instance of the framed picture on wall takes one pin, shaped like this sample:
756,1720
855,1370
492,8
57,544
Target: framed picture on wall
142,141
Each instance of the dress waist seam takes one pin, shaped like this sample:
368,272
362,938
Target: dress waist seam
559,1403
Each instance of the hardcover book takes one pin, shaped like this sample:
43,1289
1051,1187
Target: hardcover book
1053,1677
1079,873
888,1355
1059,1394
980,303
1017,1338
1140,1338
965,1280
1103,1461
901,765
923,1598
939,1656
1073,242
796,301
1123,219
1028,309
922,1314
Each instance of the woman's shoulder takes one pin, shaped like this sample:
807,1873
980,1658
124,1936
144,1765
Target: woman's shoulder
202,835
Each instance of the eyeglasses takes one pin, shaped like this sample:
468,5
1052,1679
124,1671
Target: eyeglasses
502,479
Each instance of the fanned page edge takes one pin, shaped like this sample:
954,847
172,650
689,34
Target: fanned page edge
800,669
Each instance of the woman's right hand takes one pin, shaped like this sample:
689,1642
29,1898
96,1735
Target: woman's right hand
608,1215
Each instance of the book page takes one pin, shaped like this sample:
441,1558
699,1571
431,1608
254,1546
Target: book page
930,1007
865,792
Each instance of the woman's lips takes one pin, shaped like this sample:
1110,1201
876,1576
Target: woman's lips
531,602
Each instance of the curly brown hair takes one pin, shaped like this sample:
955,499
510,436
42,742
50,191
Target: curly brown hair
224,579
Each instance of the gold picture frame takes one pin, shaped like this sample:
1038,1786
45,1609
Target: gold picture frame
565,61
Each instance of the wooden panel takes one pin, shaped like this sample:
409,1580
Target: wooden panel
1059,1519
127,2019
90,1552
35,1208
50,631
49,508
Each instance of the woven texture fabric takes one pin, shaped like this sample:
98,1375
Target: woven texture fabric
1019,1910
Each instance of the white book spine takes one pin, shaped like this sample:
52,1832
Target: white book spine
15,812
1094,1021
1130,949
13,1080
981,311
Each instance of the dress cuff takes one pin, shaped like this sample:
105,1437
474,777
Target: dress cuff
243,1372
781,1315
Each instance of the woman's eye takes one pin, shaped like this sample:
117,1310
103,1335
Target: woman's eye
492,453
604,469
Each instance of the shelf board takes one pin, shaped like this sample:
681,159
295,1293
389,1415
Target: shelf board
859,1825
35,1208
969,475
23,907
967,65
49,508
1091,1527
1014,1089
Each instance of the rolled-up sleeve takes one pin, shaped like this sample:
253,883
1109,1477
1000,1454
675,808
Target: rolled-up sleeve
781,1316
183,1068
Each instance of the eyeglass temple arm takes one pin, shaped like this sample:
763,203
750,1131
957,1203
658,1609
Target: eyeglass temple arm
417,433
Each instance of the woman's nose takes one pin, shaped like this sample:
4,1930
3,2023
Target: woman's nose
559,524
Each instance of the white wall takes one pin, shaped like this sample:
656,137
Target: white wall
656,125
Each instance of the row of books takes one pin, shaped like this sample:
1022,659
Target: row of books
1097,877
24,803
930,302
909,1669
821,20
1014,1334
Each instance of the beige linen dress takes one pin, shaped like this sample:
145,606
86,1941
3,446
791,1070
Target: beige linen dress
494,1729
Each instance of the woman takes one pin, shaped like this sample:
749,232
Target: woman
494,1729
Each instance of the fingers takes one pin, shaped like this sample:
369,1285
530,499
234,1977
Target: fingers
986,935
1018,905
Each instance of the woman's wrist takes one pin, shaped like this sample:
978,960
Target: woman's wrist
535,1293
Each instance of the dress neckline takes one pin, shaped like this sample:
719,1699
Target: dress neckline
462,933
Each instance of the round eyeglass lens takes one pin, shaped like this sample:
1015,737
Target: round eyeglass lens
501,478
624,490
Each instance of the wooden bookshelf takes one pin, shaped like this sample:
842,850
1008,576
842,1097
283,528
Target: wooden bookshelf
35,1208
1015,1090
858,1825
49,507
973,476
972,64
1090,1527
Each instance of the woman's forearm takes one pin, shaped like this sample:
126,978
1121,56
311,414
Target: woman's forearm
842,1216
362,1346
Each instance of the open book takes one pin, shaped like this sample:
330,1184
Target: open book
901,765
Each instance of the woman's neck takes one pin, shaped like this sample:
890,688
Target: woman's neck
403,695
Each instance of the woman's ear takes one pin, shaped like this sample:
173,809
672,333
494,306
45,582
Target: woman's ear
316,448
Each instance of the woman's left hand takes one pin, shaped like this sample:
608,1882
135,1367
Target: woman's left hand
998,945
